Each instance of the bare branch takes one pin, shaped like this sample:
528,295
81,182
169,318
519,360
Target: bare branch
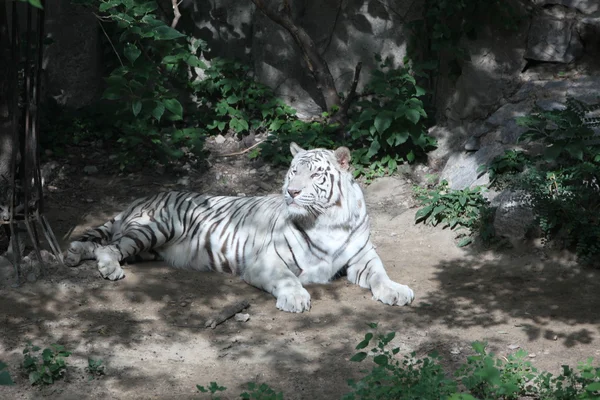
99,18
226,313
315,63
176,13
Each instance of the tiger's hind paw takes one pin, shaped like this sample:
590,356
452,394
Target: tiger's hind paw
392,293
295,299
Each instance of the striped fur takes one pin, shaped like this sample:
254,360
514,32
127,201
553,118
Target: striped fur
316,230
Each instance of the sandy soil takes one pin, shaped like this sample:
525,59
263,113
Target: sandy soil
148,328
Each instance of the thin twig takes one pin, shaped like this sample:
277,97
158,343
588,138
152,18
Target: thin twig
239,153
108,37
176,13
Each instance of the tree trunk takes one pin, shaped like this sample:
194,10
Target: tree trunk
7,145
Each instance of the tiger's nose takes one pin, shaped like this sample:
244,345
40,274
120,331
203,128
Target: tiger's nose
293,192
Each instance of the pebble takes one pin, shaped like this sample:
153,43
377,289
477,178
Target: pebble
219,139
90,169
513,346
240,317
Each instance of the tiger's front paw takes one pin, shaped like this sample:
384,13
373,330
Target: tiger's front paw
392,293
294,299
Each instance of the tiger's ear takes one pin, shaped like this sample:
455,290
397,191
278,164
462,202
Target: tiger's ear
343,157
295,149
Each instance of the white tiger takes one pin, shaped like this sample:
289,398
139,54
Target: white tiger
316,230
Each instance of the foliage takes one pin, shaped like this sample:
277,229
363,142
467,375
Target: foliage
488,377
144,90
484,376
563,179
47,369
35,3
389,124
391,378
213,388
438,34
261,392
94,368
452,208
5,379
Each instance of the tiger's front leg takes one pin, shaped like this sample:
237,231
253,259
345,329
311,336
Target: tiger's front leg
368,272
281,283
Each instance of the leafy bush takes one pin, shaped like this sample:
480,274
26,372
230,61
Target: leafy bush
388,126
51,367
390,378
453,208
562,179
94,368
143,90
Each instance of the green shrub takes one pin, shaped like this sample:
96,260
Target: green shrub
456,209
47,367
562,179
389,124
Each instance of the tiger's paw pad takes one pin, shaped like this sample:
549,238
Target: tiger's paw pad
111,270
294,300
392,293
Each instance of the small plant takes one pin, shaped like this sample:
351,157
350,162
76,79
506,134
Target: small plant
94,368
452,208
391,378
488,377
47,369
213,388
505,166
5,379
388,126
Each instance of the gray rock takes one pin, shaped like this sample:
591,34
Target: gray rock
589,31
90,169
184,181
514,214
461,169
220,139
583,6
473,144
553,40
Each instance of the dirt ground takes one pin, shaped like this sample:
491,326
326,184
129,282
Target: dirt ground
148,328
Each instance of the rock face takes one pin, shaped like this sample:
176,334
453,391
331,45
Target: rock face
514,214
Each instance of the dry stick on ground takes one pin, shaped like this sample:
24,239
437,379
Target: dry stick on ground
176,13
226,313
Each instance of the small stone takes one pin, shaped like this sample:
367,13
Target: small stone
555,337
393,234
513,346
241,194
532,355
90,169
184,181
240,317
183,304
89,200
455,350
473,144
264,186
219,139
252,171
113,157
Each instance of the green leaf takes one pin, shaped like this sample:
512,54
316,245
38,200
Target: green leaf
112,93
423,213
413,115
383,120
593,387
5,379
381,360
158,111
551,153
419,91
174,106
465,241
165,32
410,156
36,4
365,342
358,357
195,62
131,52
136,107
373,149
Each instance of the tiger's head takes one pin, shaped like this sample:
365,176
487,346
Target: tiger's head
315,180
